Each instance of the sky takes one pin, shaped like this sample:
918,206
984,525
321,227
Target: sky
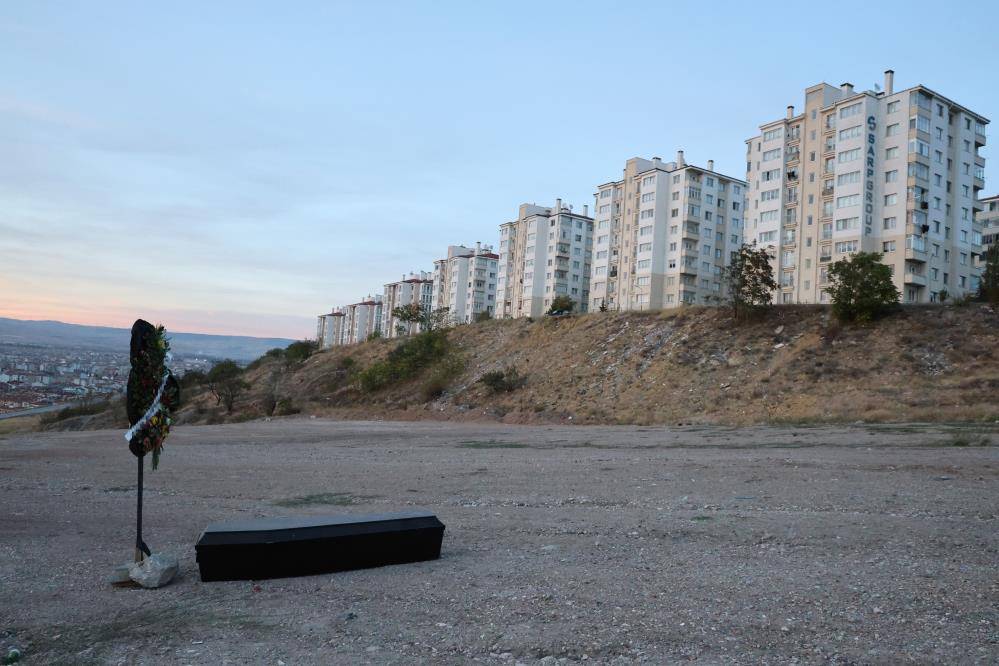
240,167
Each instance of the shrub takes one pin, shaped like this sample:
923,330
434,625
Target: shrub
374,335
561,305
485,315
268,404
861,288
192,379
225,380
87,407
406,360
442,376
988,288
503,381
298,352
750,281
285,407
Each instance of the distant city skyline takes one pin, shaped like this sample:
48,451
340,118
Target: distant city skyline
237,168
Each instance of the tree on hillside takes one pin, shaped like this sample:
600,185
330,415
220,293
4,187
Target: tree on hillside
411,313
561,305
750,281
225,380
988,288
861,287
299,351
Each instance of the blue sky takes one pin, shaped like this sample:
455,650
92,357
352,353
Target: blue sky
239,167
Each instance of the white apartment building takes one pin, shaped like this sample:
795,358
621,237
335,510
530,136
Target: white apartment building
663,234
416,288
464,282
330,331
362,319
544,253
891,172
987,221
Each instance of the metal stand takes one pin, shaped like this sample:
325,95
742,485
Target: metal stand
141,549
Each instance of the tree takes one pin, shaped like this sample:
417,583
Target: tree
988,288
561,305
750,281
297,352
225,380
861,287
485,315
411,313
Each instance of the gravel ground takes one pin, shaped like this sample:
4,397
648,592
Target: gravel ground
840,544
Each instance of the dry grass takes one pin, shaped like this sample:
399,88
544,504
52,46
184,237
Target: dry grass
696,365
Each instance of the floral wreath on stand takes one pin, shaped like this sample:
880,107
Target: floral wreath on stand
153,392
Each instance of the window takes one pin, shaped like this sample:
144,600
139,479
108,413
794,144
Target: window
891,176
888,246
648,196
768,237
646,214
604,209
846,246
602,254
767,176
892,107
849,155
919,147
771,155
849,200
847,178
645,231
642,281
845,223
891,199
770,216
674,212
852,110
889,223
770,135
644,264
891,153
648,180
605,194
850,132
770,195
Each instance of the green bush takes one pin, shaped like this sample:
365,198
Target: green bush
298,352
87,407
485,315
285,407
561,304
442,376
193,379
406,360
861,288
503,381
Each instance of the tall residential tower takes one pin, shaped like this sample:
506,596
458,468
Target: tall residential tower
544,253
664,232
897,173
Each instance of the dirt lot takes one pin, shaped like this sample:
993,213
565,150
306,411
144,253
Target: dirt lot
861,544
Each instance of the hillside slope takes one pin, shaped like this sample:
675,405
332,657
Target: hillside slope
688,366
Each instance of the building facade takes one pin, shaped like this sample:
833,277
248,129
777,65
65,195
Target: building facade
663,234
416,289
464,283
987,221
897,173
330,331
544,253
361,320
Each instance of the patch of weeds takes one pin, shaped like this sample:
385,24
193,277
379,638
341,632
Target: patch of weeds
119,489
701,519
503,381
406,360
324,499
442,376
491,444
970,440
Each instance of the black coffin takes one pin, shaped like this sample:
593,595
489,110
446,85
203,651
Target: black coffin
279,547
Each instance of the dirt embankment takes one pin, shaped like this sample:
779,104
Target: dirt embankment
689,366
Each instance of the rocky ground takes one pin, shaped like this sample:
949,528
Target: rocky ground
835,544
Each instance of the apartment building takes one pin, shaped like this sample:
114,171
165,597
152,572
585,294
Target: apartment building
876,171
987,221
464,283
663,234
544,253
417,288
330,330
362,320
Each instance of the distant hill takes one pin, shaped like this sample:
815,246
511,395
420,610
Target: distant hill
59,334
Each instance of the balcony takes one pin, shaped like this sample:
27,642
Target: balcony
792,157
916,279
827,191
915,249
824,257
